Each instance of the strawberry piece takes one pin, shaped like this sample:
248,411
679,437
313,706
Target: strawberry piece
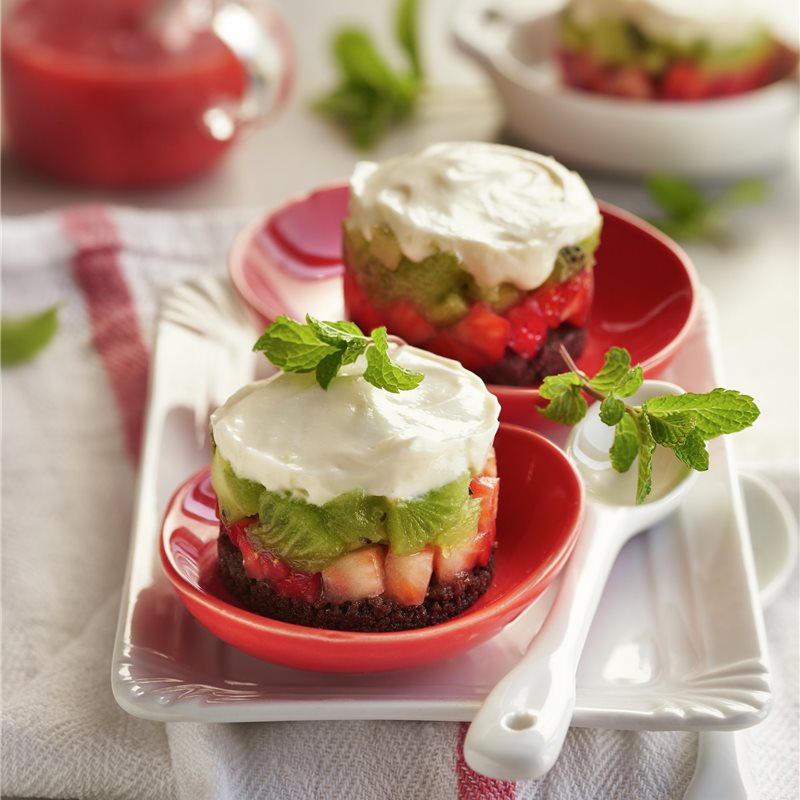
463,557
488,491
407,577
355,575
357,307
446,344
632,82
476,340
477,551
528,327
403,319
582,70
685,81
577,310
303,586
490,467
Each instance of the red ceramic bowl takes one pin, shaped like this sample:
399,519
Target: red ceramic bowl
541,510
646,290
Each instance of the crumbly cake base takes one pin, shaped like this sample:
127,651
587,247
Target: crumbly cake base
515,370
374,614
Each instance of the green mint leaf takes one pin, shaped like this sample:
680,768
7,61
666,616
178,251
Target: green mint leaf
328,368
567,405
693,452
342,334
688,214
670,428
405,30
742,193
612,409
647,446
616,375
21,338
371,95
292,346
717,412
360,61
339,334
675,196
382,372
626,444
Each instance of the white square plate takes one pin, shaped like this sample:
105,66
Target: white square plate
677,643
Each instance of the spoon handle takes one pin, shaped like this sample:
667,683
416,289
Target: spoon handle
518,732
722,768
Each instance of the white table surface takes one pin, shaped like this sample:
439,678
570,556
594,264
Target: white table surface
754,281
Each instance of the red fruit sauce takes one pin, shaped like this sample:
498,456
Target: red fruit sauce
93,95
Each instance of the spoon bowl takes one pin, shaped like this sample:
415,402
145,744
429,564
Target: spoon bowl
519,730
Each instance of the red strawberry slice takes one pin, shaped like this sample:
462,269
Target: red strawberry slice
355,575
403,319
490,467
528,327
577,310
488,491
463,558
582,70
477,551
685,81
407,577
300,586
476,340
632,82
357,307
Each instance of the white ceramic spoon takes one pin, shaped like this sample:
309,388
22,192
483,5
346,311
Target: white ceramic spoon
519,730
722,769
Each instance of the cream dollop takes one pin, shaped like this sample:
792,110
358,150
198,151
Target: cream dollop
289,434
721,22
505,212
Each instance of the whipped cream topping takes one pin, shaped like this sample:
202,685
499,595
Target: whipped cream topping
288,433
721,22
505,212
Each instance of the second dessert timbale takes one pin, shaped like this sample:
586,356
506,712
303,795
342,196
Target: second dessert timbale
479,252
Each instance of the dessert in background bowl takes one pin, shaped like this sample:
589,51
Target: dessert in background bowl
669,49
646,292
517,45
479,252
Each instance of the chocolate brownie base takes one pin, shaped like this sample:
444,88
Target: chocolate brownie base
374,614
515,370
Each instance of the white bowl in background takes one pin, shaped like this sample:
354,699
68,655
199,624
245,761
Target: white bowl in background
730,137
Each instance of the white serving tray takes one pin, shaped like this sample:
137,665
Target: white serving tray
677,643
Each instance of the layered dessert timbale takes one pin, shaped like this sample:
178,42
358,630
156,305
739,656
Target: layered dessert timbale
353,507
478,252
669,49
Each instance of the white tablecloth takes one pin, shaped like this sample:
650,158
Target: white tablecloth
71,422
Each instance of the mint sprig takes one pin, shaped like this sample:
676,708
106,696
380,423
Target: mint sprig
689,214
683,423
372,96
325,347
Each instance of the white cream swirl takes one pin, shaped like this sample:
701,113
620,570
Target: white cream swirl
721,22
505,212
288,433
